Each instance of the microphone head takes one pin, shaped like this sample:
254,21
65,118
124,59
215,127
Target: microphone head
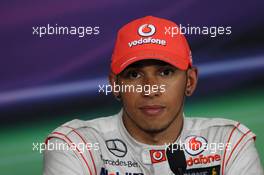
176,158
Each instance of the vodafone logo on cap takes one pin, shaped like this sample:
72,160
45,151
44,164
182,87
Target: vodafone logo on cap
195,145
146,30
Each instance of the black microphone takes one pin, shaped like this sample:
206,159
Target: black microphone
176,158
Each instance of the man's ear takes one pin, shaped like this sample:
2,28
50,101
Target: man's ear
114,81
192,79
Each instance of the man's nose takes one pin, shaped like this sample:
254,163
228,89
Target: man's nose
151,87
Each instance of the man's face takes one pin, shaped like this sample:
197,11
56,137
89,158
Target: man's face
154,109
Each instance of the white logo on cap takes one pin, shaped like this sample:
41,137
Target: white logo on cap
151,31
147,30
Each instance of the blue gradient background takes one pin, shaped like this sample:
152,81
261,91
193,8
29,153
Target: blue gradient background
47,81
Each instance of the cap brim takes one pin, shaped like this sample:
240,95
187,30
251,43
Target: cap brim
174,60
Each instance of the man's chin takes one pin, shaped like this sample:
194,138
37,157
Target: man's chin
154,130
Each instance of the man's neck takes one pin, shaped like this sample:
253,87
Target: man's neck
166,136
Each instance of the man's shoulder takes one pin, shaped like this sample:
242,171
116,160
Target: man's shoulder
227,126
99,125
205,123
102,124
79,144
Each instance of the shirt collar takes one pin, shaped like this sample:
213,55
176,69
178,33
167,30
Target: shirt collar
138,147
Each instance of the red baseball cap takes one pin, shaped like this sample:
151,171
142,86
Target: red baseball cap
150,38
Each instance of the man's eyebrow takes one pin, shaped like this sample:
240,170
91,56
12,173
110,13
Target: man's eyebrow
139,66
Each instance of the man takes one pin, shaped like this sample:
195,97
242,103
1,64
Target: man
150,135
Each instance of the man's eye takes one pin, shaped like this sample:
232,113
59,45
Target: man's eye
133,75
166,72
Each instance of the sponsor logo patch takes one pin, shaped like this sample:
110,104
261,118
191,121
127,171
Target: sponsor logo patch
127,163
146,31
157,156
195,145
213,170
203,160
117,147
107,172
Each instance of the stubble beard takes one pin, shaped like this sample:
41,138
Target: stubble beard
154,131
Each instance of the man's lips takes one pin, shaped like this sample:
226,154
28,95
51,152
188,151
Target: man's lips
152,109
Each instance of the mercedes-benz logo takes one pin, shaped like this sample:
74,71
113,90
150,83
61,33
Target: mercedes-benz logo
116,147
